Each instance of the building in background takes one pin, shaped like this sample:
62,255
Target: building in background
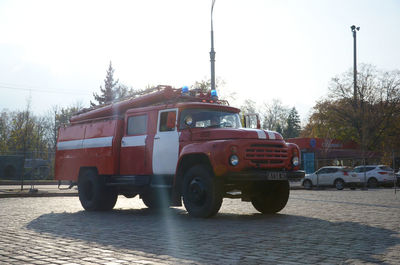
319,152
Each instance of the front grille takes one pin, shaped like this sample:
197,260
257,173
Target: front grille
266,155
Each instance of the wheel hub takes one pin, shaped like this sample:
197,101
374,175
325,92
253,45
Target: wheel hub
197,191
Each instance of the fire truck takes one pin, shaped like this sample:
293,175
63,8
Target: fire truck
175,145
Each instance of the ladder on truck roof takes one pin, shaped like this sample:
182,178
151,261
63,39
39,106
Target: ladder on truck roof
144,98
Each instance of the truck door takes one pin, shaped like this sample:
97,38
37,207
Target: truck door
166,143
133,145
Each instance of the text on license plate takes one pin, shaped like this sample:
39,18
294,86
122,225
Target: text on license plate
276,176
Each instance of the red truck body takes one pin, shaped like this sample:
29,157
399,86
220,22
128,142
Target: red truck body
164,147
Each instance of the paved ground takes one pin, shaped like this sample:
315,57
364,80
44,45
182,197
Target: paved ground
316,227
51,190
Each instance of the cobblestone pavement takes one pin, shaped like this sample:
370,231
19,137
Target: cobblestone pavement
316,227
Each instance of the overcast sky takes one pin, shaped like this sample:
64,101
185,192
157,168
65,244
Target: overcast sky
57,52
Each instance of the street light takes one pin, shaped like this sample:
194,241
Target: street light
354,29
212,52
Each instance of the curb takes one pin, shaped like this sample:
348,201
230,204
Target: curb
27,182
37,194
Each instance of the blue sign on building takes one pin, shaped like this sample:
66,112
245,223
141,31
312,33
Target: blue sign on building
308,162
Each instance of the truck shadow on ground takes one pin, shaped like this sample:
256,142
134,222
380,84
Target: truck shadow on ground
227,238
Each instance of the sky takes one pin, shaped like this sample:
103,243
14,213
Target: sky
56,53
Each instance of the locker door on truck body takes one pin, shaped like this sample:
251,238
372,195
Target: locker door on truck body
133,145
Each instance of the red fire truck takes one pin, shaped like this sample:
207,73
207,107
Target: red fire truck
173,145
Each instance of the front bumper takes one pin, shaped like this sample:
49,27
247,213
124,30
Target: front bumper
263,175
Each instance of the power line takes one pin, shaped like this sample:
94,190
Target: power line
30,89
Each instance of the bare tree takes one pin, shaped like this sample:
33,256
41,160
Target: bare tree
369,117
275,115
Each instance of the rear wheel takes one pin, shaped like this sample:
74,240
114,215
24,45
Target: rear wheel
202,195
372,183
94,194
271,197
339,184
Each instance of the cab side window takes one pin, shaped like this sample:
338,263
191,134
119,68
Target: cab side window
167,121
137,125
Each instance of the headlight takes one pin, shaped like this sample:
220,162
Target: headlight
295,161
233,160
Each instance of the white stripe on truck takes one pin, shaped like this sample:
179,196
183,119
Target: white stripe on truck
261,134
271,135
86,143
132,141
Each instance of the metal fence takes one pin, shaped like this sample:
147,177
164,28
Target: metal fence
33,165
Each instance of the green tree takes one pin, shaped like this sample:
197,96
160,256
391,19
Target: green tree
292,128
27,134
4,131
112,90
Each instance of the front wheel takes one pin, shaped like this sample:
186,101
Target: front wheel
307,184
271,197
202,195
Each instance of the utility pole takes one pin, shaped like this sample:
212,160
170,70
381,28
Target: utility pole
212,52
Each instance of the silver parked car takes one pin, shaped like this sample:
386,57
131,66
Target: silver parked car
336,176
375,175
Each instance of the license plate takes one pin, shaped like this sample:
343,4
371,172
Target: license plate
277,176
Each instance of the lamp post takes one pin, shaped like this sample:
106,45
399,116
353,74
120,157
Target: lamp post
212,52
354,29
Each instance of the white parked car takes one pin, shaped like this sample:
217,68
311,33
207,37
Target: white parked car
375,175
336,176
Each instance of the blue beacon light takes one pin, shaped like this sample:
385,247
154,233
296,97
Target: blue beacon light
185,90
214,95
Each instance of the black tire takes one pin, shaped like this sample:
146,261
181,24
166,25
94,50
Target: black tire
202,194
156,198
271,197
372,183
94,194
307,184
339,184
129,195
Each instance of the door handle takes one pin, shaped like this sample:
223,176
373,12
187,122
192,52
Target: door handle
156,137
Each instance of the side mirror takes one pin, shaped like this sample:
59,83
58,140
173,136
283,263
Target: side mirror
251,121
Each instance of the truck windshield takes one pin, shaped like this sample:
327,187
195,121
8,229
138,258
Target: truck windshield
207,118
